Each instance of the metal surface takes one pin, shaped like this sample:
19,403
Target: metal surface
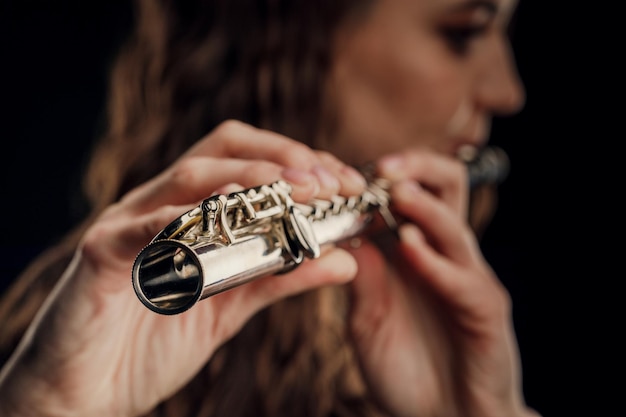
229,240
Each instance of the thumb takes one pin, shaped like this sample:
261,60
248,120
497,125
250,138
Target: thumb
334,267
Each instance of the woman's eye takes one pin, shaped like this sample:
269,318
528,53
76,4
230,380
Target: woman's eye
459,38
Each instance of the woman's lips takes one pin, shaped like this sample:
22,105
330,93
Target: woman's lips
467,148
466,152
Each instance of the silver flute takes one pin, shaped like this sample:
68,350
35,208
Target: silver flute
229,240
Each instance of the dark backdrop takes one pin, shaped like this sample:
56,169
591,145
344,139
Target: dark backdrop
54,61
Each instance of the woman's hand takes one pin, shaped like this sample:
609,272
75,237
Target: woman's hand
94,349
431,321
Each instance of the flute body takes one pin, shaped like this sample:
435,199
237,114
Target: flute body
229,240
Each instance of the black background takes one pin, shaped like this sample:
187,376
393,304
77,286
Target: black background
548,243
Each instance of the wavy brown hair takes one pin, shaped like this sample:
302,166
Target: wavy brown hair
186,67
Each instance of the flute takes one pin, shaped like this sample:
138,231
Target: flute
229,240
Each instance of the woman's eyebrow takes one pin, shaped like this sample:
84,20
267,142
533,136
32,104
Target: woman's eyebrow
489,6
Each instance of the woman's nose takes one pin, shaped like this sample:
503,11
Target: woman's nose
500,88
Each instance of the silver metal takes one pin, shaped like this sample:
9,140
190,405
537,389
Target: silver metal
490,166
229,240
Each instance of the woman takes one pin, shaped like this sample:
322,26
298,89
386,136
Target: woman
209,97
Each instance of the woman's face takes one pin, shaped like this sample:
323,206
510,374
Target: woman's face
426,73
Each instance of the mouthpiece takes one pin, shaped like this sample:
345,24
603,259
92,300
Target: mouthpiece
488,166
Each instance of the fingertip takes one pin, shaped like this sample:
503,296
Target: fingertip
304,184
392,166
227,189
411,235
352,181
329,184
341,263
406,191
333,267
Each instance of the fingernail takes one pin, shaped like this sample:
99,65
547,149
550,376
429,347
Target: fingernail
409,187
303,178
391,163
297,176
326,179
353,175
410,234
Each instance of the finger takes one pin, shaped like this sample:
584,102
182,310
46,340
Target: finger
351,182
443,228
195,178
428,263
474,291
443,176
229,188
334,267
230,309
239,140
122,237
234,139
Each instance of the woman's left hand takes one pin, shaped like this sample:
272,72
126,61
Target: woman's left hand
431,321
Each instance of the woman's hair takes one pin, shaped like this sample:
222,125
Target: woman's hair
186,67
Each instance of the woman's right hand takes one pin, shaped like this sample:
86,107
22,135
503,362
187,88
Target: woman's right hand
94,349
